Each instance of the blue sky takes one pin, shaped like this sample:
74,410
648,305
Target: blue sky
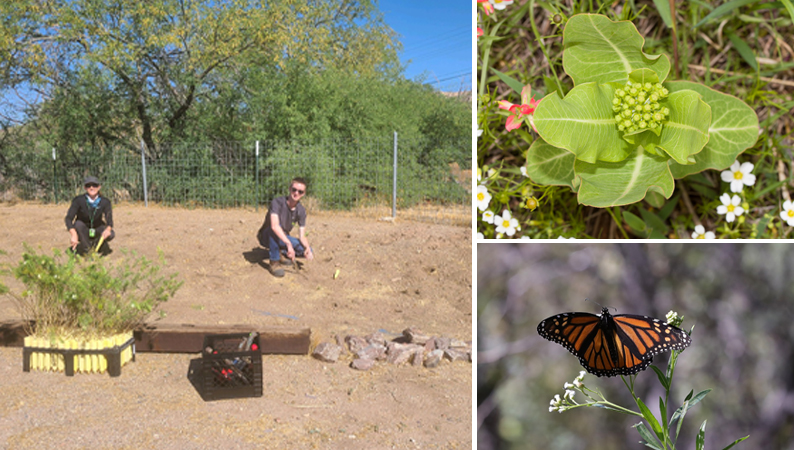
436,36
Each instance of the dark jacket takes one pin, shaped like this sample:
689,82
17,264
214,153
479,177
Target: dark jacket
93,218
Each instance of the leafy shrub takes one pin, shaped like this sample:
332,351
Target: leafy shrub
90,294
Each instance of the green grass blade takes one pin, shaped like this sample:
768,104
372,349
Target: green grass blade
744,50
789,7
723,9
512,82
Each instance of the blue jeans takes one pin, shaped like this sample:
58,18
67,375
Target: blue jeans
276,245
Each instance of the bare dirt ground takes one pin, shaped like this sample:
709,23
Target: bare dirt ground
391,276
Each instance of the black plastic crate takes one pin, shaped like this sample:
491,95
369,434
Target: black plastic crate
231,366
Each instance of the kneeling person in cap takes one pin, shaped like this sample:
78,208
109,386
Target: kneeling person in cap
90,218
274,234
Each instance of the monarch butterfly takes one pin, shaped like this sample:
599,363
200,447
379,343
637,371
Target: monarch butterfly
608,345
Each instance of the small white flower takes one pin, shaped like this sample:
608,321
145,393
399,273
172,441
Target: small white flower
564,238
701,233
567,385
524,171
671,316
788,213
552,409
488,216
479,132
480,237
501,4
569,394
730,207
739,176
557,398
483,197
526,238
506,223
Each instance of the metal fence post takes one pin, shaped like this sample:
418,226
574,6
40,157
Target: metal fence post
54,177
145,189
394,182
256,171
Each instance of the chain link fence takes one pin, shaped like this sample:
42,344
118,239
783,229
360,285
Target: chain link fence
433,179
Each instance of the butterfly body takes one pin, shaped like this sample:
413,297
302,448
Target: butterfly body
608,345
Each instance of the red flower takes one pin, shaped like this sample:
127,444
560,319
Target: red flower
518,112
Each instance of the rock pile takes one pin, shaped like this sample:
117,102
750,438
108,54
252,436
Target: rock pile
412,347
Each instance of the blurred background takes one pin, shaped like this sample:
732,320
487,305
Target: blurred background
740,297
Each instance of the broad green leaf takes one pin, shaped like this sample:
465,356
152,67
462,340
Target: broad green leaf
622,183
650,440
686,131
643,76
597,49
550,165
733,129
583,123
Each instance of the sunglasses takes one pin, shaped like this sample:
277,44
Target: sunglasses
91,185
299,191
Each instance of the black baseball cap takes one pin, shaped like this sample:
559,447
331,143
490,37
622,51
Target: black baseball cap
90,179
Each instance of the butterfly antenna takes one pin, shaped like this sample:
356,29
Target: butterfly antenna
599,304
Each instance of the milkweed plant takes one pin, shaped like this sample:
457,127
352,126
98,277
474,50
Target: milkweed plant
657,433
623,133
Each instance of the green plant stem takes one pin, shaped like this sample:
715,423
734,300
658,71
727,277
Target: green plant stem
617,222
675,39
543,46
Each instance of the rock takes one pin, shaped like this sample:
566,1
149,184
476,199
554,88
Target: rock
340,341
327,352
442,343
415,336
372,352
434,359
362,364
376,338
455,355
355,343
457,343
430,345
400,353
418,357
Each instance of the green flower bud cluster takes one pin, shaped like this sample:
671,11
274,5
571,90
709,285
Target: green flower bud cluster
637,107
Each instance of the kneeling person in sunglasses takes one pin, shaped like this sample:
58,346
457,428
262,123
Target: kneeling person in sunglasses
284,212
90,217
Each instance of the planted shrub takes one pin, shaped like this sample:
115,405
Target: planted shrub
90,295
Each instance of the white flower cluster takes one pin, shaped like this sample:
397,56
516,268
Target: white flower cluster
567,402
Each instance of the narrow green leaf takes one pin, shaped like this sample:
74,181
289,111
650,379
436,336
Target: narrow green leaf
655,199
550,165
663,8
789,7
582,123
611,184
668,208
598,49
662,378
736,442
700,440
511,82
707,192
690,402
653,221
634,222
646,413
650,440
744,50
663,413
723,9
678,415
